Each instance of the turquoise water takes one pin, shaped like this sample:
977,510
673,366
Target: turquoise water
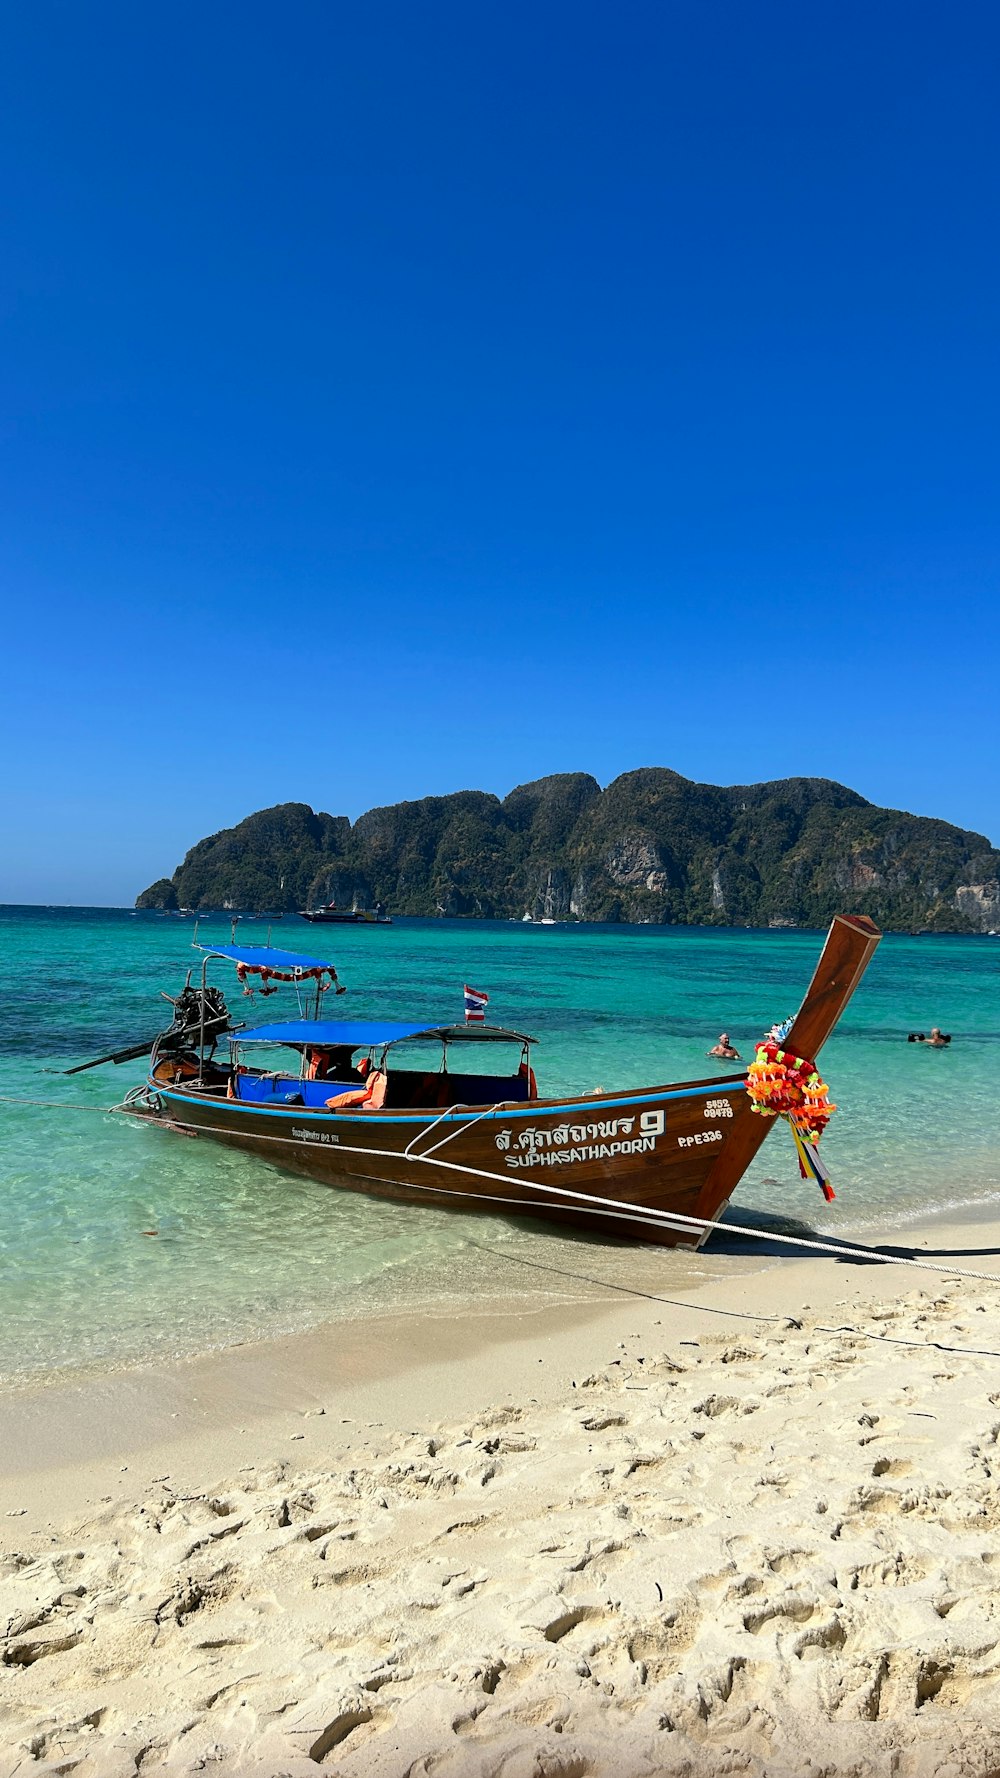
243,1249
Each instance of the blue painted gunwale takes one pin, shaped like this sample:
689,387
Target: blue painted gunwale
531,1109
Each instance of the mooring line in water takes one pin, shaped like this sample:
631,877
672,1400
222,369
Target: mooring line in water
590,1202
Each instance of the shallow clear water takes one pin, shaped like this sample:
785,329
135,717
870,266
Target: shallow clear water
244,1249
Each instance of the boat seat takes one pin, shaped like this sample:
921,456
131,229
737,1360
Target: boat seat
410,1088
479,1089
256,1089
406,1088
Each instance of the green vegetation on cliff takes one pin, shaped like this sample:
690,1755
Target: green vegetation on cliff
652,846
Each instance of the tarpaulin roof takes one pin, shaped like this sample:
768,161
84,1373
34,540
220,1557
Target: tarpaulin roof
368,1033
263,957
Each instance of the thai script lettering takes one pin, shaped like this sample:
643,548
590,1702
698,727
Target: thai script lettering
561,1135
323,1137
557,1145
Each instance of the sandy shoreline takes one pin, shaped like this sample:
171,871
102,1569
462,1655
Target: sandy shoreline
440,1547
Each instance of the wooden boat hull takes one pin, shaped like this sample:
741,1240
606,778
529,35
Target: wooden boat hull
601,1162
652,1150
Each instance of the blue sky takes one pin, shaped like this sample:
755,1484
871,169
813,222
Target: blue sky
399,399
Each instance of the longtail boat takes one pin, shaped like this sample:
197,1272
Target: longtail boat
357,1106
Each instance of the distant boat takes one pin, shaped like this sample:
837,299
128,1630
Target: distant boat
331,915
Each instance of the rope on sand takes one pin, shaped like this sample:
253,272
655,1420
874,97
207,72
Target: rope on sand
576,1201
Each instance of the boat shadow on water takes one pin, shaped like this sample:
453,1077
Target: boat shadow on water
842,1250
770,1240
586,1248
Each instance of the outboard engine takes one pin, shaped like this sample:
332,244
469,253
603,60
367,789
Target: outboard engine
200,1014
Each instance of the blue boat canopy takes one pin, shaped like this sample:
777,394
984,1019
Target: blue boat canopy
369,1033
263,957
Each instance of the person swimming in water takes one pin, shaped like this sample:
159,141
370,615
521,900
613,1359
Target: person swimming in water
725,1049
938,1040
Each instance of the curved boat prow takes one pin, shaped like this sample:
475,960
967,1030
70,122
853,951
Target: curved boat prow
849,948
850,945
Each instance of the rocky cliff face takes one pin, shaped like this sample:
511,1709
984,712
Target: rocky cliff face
653,846
979,903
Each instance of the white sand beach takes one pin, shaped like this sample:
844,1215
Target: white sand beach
752,1529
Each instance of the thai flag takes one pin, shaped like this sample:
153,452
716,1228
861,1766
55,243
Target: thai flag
475,1005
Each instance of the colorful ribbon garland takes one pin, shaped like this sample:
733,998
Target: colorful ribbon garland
283,975
783,1085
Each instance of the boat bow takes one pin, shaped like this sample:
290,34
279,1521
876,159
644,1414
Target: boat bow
849,948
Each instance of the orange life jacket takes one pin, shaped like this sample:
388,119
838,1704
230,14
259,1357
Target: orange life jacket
378,1086
528,1073
370,1097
